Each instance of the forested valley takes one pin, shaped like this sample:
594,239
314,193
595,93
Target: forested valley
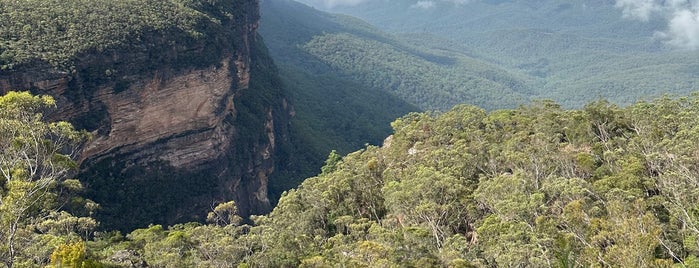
376,146
497,54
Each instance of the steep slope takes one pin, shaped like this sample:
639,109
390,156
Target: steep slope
350,48
331,110
183,116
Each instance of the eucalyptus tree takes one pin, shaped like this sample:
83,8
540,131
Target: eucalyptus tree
36,159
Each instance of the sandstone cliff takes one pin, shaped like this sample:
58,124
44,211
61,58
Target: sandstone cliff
179,124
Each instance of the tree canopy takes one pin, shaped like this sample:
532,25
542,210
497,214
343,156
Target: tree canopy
536,186
36,160
56,31
601,186
530,187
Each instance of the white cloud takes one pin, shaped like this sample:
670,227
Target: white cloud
638,9
682,19
423,4
683,29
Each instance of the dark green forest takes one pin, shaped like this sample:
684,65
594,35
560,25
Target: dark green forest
332,111
536,186
349,49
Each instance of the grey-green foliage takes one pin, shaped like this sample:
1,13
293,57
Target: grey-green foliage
36,159
514,188
536,186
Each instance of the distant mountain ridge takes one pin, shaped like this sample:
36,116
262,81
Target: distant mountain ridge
572,52
432,79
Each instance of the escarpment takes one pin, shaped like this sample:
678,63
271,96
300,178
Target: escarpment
179,123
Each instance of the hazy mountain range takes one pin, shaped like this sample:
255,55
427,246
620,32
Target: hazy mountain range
570,52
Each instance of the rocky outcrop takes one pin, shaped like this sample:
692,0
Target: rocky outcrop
178,125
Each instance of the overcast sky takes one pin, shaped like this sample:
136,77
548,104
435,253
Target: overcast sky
682,16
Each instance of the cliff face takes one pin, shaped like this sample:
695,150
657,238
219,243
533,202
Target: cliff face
178,125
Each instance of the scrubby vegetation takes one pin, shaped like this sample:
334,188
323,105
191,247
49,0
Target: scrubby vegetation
533,186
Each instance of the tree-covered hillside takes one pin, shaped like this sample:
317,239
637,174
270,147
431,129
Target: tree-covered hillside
350,49
536,186
58,31
331,111
338,69
570,52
